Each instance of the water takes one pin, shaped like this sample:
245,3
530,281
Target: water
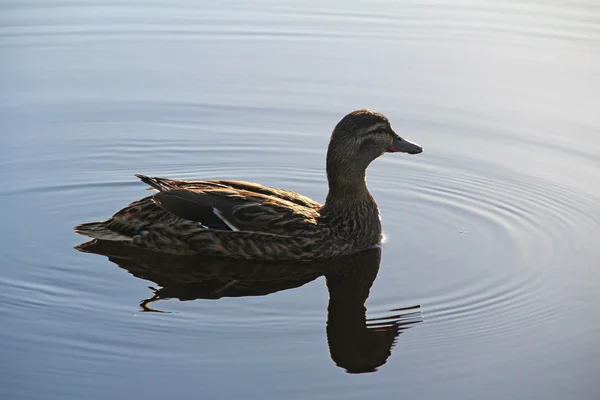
493,230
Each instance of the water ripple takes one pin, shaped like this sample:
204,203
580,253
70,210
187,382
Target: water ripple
522,219
537,24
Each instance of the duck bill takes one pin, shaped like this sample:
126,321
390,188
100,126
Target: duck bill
400,145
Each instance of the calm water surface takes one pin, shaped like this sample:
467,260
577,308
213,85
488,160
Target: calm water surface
493,230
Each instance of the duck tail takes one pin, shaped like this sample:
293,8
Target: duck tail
98,230
159,184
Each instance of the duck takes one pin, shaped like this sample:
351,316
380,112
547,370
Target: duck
246,220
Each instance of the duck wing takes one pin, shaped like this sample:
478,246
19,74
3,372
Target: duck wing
237,207
165,184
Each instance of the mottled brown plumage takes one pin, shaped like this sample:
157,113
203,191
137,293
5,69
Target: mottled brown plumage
249,221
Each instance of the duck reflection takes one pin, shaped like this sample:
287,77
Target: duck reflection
356,343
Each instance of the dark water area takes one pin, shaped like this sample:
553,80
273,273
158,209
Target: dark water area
487,285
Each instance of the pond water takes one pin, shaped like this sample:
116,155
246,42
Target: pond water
487,285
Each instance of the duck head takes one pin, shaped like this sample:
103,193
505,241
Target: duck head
358,139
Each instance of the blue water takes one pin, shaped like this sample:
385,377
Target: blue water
492,231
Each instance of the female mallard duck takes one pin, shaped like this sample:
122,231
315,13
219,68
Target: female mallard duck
249,221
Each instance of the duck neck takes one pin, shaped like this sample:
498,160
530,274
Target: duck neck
347,186
349,206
